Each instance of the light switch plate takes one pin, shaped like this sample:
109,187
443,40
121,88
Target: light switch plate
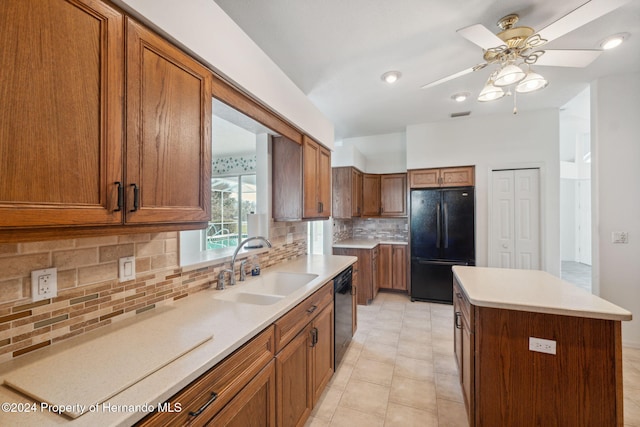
127,268
44,284
619,237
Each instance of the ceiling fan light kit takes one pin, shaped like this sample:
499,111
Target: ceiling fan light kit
490,92
509,74
531,83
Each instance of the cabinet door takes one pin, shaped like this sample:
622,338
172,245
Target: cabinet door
385,262
356,193
294,380
399,269
457,177
393,195
324,182
355,286
254,406
424,178
370,195
61,122
287,179
342,192
316,174
168,164
323,351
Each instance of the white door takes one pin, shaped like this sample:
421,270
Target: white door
584,221
514,228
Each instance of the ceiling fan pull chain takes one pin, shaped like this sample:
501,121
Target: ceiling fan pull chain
515,106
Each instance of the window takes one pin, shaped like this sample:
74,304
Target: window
315,238
232,198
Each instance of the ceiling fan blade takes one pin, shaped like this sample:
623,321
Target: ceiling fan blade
584,14
568,58
480,35
453,76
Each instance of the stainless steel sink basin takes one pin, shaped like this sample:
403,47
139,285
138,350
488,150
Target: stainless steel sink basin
250,298
278,283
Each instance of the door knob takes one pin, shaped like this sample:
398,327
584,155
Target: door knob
504,245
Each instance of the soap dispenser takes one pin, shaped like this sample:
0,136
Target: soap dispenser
255,266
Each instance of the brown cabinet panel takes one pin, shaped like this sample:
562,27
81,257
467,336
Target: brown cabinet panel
323,351
393,195
370,195
355,283
399,267
356,193
316,172
347,192
287,180
385,269
463,176
168,132
60,113
294,380
255,405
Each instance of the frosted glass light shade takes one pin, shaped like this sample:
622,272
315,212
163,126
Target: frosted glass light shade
490,93
531,83
508,75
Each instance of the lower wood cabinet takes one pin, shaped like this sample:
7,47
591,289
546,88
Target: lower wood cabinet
368,276
392,267
305,363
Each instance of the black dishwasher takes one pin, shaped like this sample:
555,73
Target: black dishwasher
343,313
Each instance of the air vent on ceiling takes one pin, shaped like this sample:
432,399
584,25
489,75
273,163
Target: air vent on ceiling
460,114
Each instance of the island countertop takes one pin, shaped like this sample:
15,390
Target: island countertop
533,290
366,243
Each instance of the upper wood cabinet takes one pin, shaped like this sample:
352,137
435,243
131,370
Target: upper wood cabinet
463,176
168,132
301,180
384,195
347,192
60,113
69,157
317,179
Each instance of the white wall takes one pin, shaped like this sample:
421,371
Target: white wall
203,28
616,181
385,153
504,141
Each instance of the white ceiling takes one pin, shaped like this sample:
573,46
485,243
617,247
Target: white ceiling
336,51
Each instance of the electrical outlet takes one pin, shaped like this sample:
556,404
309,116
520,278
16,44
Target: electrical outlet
44,284
541,345
127,270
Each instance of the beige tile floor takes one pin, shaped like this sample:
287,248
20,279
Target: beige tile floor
400,371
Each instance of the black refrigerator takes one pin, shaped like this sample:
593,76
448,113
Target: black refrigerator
442,235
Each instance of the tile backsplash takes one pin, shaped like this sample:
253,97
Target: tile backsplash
371,228
89,294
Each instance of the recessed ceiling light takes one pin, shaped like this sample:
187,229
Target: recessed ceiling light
460,96
391,76
613,41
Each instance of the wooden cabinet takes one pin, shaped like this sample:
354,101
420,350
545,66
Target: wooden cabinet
384,195
93,167
61,113
243,382
368,275
463,176
301,180
393,195
305,356
392,267
317,179
168,132
506,383
347,192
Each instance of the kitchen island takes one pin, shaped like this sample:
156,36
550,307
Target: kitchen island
214,324
533,350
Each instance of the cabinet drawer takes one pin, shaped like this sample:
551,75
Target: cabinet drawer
225,379
288,326
462,300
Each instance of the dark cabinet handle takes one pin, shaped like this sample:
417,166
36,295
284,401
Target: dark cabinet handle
314,337
212,399
120,196
457,321
136,197
312,309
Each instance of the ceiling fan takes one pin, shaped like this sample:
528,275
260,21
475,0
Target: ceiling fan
515,49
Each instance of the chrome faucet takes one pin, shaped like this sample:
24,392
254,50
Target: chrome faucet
235,254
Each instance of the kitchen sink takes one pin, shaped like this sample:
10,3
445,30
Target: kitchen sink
278,283
250,298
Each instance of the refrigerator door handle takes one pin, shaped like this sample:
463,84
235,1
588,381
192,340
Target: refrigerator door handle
421,261
446,226
438,228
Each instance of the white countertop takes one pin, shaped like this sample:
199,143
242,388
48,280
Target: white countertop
366,243
532,290
231,325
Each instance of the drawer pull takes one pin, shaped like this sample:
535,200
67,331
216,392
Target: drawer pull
312,309
457,321
120,196
314,337
136,197
212,399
